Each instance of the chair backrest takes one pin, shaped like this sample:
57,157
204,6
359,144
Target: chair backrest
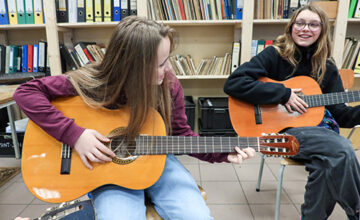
347,77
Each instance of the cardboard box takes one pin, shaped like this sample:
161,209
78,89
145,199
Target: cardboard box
330,7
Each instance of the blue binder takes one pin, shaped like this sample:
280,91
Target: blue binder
24,64
4,17
239,9
116,10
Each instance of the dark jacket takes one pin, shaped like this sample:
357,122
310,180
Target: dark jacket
243,84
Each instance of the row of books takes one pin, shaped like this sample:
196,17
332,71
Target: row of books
185,65
81,54
24,58
354,9
258,45
351,55
195,9
21,12
73,11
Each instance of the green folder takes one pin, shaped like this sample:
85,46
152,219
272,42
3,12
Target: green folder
352,8
29,11
20,7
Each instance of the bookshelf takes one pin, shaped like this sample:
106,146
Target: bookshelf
200,38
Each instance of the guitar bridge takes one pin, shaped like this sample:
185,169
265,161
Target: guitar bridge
257,112
66,152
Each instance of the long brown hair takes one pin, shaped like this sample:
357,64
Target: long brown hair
128,72
287,48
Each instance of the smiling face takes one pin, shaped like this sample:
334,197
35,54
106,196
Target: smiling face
306,29
163,63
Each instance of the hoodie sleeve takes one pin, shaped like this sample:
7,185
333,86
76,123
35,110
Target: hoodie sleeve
243,82
34,99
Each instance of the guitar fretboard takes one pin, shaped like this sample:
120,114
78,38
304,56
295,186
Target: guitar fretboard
331,98
146,145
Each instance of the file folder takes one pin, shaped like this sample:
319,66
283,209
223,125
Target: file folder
42,56
20,7
12,12
239,9
2,58
29,11
36,58
98,11
133,7
30,58
107,10
4,18
13,59
89,11
72,11
116,10
61,11
38,12
124,8
81,15
24,58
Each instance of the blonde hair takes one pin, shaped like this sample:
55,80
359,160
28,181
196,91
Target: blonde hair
127,73
287,48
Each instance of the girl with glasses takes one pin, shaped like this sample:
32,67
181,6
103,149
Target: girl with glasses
305,49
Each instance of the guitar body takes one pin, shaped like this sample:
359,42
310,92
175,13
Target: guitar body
275,117
41,154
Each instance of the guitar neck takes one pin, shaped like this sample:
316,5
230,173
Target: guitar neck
152,145
331,98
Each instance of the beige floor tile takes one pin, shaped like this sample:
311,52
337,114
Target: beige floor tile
250,172
266,195
184,159
224,193
35,211
16,193
295,190
194,170
231,212
9,212
267,212
217,172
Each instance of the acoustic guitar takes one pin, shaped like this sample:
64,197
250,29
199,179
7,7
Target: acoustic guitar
253,120
54,173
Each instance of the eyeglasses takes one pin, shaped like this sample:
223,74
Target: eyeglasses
313,26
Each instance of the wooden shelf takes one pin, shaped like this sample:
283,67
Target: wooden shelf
354,20
204,77
201,22
87,25
22,26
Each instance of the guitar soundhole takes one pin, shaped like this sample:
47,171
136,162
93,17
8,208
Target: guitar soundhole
123,149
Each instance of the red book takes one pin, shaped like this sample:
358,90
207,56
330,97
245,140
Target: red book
181,6
30,58
268,43
88,55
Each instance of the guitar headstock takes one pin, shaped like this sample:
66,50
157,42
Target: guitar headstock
279,145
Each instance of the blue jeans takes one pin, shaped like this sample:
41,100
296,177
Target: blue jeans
175,196
334,172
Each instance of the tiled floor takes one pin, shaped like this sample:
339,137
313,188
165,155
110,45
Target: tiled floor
230,190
